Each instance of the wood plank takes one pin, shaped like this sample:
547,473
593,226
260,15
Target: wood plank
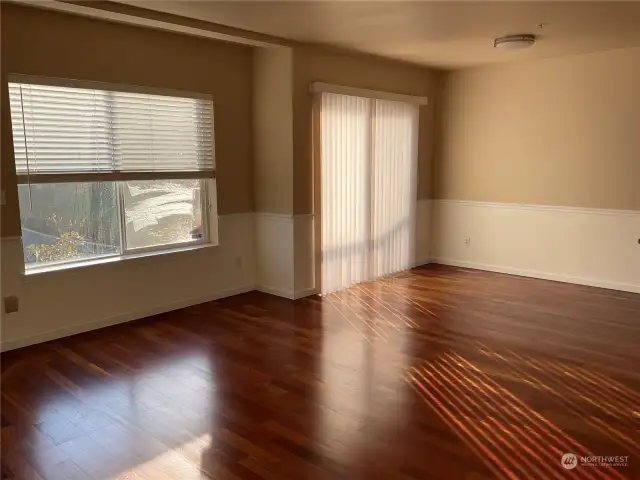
439,372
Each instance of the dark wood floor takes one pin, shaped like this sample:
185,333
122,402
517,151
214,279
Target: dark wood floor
439,373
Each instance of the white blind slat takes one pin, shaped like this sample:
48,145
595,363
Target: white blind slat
76,130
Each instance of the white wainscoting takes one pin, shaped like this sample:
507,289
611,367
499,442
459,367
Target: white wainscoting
75,300
282,274
274,253
577,245
285,250
304,256
422,254
279,276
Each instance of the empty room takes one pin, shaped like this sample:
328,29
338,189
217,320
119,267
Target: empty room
320,240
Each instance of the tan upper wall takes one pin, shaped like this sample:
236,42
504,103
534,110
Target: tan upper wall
317,64
47,43
273,129
54,44
557,132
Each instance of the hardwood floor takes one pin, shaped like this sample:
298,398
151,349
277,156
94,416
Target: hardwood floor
437,373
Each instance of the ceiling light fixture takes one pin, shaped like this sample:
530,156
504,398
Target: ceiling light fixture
514,42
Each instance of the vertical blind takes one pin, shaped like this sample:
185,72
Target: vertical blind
67,131
368,154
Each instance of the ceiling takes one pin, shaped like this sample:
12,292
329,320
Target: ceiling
446,34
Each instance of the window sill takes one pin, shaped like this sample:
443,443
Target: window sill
114,259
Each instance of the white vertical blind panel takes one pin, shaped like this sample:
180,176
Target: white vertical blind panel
69,130
369,169
369,159
345,126
393,196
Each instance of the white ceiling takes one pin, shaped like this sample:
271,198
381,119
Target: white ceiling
447,34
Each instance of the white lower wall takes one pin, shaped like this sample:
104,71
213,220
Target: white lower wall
423,232
304,256
285,254
276,230
275,253
61,303
584,246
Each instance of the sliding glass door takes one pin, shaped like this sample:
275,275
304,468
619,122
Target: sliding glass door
368,155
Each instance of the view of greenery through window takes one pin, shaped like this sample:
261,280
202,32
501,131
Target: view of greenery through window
64,222
68,221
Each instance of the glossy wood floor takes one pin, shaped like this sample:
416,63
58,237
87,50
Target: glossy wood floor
437,373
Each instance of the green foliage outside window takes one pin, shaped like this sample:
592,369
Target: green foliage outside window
65,248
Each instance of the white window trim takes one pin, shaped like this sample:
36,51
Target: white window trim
110,259
116,87
320,87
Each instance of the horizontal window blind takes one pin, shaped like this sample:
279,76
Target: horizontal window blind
96,132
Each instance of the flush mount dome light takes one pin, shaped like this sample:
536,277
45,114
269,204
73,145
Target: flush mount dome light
514,42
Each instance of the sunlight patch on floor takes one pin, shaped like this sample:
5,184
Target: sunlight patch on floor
183,462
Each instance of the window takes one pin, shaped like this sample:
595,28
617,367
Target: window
108,171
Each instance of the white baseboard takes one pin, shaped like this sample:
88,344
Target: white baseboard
419,263
127,317
291,295
306,292
279,292
590,282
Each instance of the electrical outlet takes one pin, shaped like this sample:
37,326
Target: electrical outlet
11,304
467,241
238,262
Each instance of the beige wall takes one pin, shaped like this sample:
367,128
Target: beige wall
273,128
52,44
317,64
46,43
555,132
